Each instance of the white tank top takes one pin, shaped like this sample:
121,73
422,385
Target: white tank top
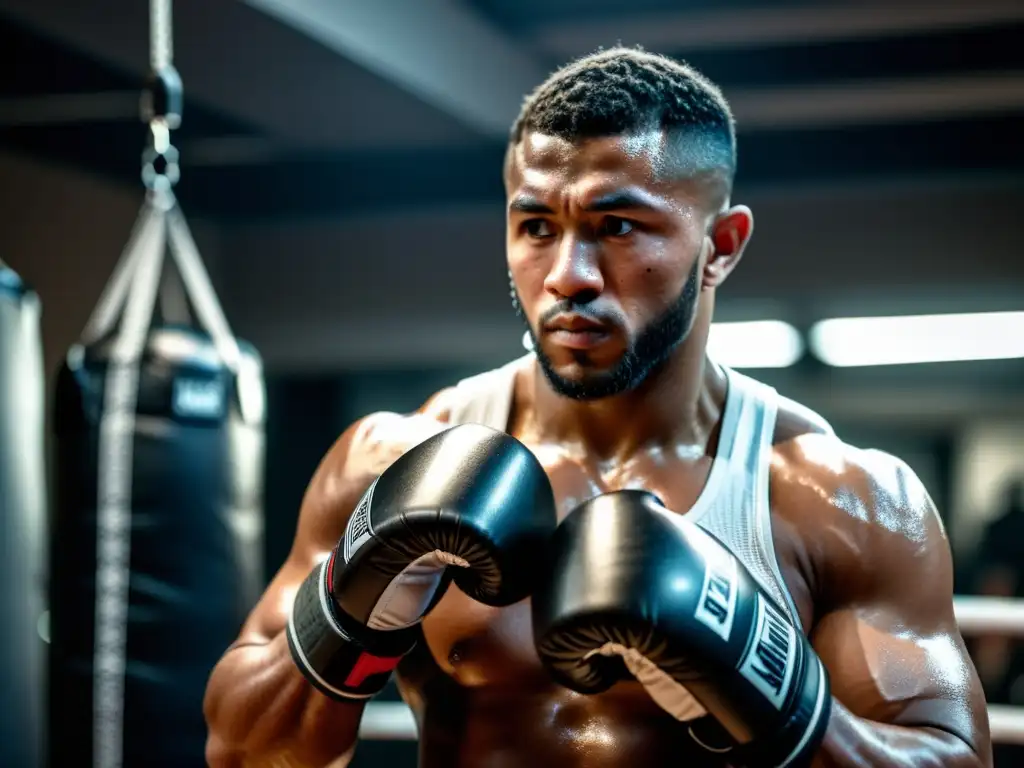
733,505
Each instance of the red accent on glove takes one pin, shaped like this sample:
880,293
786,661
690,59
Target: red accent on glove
330,572
368,665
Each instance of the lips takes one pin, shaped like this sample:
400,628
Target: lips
576,332
575,324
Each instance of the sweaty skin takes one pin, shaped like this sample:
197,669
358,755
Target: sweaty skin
862,550
859,543
860,547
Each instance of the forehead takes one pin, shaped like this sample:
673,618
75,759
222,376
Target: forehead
540,161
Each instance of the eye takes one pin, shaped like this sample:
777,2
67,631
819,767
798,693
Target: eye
537,228
613,226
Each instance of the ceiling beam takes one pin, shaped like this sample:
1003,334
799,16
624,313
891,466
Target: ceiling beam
456,66
877,101
435,49
779,108
273,79
781,24
873,102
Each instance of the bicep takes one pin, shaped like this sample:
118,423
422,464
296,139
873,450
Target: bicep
886,672
892,646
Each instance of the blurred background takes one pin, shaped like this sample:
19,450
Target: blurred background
341,169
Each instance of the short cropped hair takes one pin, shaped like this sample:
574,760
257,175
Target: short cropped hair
623,91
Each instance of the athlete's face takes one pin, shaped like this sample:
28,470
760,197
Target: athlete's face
608,257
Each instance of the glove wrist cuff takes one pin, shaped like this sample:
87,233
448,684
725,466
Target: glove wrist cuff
808,723
326,650
797,742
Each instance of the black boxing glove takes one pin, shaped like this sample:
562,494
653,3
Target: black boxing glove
470,504
631,589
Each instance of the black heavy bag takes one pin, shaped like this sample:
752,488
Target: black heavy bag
22,520
157,539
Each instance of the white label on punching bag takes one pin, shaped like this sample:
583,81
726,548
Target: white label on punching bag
770,660
717,605
358,531
198,398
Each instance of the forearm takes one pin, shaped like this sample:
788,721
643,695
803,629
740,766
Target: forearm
261,711
854,742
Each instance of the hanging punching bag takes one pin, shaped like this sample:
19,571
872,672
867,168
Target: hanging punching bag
157,541
22,519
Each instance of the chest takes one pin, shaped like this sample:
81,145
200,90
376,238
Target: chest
480,646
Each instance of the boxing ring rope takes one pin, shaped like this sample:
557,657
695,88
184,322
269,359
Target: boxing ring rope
994,615
393,721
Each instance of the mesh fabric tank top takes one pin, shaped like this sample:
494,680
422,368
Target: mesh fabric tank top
733,506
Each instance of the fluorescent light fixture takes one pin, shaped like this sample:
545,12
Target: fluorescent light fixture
755,344
859,341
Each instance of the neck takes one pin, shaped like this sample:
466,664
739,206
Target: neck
678,404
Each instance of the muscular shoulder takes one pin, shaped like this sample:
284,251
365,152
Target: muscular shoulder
856,511
373,442
861,484
364,450
864,484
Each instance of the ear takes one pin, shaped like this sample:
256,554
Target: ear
729,237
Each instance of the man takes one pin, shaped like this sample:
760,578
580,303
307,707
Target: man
620,231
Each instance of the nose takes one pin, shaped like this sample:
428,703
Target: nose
576,273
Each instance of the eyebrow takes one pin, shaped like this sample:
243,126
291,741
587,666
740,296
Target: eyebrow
622,200
527,204
619,200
